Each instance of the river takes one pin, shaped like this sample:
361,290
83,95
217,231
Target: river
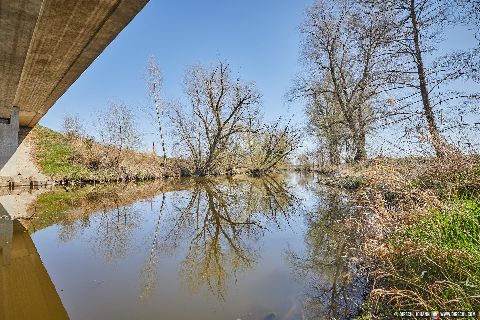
204,248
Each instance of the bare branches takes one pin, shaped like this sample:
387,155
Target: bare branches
73,127
270,146
344,48
220,109
419,29
373,60
117,128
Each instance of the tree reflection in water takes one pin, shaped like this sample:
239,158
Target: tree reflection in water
149,273
115,225
220,221
216,224
335,287
211,228
115,232
72,211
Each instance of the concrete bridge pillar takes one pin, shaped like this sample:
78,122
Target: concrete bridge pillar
45,46
6,234
9,128
11,137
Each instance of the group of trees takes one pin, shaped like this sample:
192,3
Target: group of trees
219,130
371,63
118,135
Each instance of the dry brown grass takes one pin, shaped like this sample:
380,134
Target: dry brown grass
393,194
73,158
125,164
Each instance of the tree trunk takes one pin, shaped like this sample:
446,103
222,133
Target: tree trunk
439,144
333,151
360,151
158,109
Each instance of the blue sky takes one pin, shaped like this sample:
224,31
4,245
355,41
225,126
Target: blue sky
258,38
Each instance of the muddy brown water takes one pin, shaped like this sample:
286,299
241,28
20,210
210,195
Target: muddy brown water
204,249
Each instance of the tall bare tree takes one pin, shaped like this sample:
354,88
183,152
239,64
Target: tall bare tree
426,76
327,123
344,49
117,128
155,83
220,109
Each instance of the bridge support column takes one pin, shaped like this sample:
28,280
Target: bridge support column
9,129
6,233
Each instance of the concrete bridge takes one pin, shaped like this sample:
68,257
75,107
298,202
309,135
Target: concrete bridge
45,46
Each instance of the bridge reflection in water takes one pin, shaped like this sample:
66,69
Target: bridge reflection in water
26,291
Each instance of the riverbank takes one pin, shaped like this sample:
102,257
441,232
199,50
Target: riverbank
415,233
419,221
420,232
70,159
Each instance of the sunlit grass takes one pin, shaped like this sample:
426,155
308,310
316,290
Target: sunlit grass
83,159
54,155
436,262
454,228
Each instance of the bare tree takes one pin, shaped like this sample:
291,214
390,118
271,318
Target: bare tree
117,128
426,76
344,50
327,123
155,83
72,126
271,146
220,110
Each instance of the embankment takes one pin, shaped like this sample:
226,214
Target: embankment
420,231
75,159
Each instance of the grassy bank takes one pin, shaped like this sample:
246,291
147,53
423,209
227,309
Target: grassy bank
66,158
65,206
420,230
435,262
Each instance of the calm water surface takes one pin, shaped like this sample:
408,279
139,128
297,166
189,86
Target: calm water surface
243,248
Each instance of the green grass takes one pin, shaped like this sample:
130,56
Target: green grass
454,228
436,261
54,155
352,183
73,159
60,159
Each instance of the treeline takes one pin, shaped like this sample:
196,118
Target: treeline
220,130
372,64
369,65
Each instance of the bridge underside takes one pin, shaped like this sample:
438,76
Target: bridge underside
45,47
